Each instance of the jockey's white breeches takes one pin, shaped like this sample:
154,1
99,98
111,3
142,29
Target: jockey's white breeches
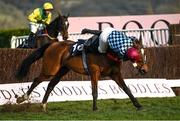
34,27
103,39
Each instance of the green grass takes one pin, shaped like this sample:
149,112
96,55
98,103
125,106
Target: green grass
153,109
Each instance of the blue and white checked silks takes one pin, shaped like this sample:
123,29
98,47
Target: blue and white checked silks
119,42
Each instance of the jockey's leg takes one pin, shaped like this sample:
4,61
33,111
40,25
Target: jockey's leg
91,44
103,46
103,39
96,32
91,40
31,40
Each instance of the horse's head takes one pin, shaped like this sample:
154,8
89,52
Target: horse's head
63,25
59,25
137,55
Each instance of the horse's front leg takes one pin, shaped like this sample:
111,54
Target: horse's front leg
133,99
94,84
95,95
117,77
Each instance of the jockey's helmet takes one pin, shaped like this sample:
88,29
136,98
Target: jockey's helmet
48,6
133,54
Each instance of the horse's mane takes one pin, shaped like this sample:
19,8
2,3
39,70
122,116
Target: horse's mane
54,22
69,41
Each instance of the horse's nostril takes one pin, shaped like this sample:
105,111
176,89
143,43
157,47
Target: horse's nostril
143,70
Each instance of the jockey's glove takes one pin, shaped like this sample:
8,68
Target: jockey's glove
40,21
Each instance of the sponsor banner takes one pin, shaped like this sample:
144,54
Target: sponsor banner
173,82
81,90
159,21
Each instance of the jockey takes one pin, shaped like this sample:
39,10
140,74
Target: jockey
38,20
121,44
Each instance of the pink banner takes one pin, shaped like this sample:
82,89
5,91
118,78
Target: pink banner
123,22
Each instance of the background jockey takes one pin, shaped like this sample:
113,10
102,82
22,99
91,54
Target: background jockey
121,44
38,20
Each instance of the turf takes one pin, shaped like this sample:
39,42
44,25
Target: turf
153,109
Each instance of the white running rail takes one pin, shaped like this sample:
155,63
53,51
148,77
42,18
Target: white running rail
150,37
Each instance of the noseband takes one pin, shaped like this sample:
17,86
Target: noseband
144,58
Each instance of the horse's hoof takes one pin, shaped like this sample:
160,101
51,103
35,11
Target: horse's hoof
139,108
44,107
95,109
20,99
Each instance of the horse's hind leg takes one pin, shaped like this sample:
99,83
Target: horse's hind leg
120,81
52,84
35,83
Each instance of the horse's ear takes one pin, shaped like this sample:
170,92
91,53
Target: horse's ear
140,40
67,15
59,14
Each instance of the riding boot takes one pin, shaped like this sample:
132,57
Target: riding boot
96,32
31,40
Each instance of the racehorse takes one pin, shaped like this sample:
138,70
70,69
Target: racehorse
59,25
58,61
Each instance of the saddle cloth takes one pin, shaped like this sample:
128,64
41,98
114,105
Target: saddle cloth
77,47
90,45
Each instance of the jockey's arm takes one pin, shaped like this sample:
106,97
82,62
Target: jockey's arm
33,16
48,20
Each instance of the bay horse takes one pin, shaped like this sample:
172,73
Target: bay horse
59,25
57,62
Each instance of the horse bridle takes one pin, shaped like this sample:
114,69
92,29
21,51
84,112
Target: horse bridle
66,24
143,57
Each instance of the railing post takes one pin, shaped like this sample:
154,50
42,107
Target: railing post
13,42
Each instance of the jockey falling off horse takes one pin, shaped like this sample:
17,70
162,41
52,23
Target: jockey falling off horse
38,20
116,40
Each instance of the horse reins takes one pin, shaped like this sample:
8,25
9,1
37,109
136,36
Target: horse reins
46,34
144,56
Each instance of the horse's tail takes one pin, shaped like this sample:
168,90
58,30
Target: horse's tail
26,63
